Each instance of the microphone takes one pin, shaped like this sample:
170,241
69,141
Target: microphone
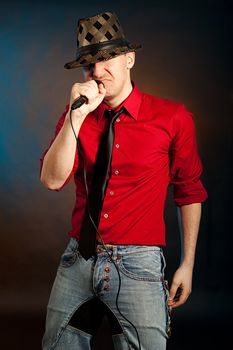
83,99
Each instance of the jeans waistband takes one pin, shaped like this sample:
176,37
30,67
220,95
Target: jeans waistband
116,251
102,249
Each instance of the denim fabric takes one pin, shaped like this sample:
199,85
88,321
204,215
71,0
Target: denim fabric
142,298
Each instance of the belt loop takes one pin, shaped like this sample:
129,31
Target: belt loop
114,252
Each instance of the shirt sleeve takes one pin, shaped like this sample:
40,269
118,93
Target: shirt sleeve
185,163
57,130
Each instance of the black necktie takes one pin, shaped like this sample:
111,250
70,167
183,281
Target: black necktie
87,238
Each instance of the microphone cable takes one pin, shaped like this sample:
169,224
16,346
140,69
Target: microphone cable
99,234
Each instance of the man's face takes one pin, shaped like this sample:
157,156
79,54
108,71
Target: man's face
114,73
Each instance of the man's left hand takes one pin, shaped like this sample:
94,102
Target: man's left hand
181,286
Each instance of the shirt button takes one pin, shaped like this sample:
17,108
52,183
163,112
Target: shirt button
117,145
106,278
117,172
107,269
105,216
111,193
118,120
106,287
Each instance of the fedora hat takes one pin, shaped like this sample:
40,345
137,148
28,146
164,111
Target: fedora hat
100,38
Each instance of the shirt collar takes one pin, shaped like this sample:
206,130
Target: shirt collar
131,104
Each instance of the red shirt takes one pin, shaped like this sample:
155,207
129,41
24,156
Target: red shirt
154,146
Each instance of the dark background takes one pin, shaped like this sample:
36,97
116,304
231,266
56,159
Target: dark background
187,57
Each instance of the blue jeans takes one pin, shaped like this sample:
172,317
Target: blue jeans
142,298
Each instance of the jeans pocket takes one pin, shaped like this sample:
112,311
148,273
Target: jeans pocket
70,254
141,265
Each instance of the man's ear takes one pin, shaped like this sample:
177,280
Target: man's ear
130,59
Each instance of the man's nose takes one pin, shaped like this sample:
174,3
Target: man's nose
98,69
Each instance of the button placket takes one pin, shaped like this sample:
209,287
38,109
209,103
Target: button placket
117,146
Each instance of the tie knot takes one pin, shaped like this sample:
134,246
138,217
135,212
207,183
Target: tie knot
111,115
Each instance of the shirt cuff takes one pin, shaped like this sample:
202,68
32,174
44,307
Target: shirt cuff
189,193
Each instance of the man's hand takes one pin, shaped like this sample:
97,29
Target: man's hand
181,286
95,94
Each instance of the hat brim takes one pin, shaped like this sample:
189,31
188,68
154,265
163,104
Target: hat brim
101,55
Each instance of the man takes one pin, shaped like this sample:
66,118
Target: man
114,264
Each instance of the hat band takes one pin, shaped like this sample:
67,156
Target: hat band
94,48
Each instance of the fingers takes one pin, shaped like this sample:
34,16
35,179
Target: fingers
94,93
172,294
102,89
89,89
178,295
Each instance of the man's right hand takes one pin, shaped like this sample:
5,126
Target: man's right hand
95,94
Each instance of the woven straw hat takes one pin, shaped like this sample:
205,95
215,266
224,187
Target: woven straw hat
100,38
